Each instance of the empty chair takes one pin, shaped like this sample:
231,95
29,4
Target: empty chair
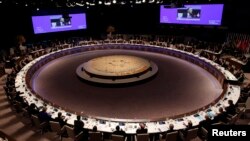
142,137
95,136
117,138
18,106
27,116
172,136
232,120
40,126
203,134
241,105
241,111
55,127
25,113
71,133
191,134
247,110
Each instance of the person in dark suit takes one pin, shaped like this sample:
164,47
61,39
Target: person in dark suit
189,126
231,109
118,131
94,129
170,130
221,116
62,121
190,13
205,123
32,109
44,116
142,129
78,125
20,99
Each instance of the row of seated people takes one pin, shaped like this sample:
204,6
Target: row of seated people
52,45
78,124
222,117
245,93
237,72
238,41
44,117
175,40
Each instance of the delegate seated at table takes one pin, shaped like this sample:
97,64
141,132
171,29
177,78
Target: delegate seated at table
142,129
78,125
119,131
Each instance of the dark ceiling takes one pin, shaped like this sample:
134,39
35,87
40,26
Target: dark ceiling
92,3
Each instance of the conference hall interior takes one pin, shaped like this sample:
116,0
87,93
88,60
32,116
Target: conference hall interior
123,70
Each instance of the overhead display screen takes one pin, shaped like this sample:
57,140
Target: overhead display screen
204,14
57,23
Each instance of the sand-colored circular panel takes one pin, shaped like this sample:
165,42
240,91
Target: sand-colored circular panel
116,65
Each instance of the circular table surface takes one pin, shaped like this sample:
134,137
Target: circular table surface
116,65
179,87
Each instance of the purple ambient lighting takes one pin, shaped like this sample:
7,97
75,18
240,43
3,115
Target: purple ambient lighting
56,23
205,14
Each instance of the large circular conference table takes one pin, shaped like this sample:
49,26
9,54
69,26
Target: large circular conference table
186,87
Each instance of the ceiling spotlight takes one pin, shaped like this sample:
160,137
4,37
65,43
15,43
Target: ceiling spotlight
114,1
151,1
0,1
99,2
138,2
107,3
26,4
79,4
67,4
143,1
37,9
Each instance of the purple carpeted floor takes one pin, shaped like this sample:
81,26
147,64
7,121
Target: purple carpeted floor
178,88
